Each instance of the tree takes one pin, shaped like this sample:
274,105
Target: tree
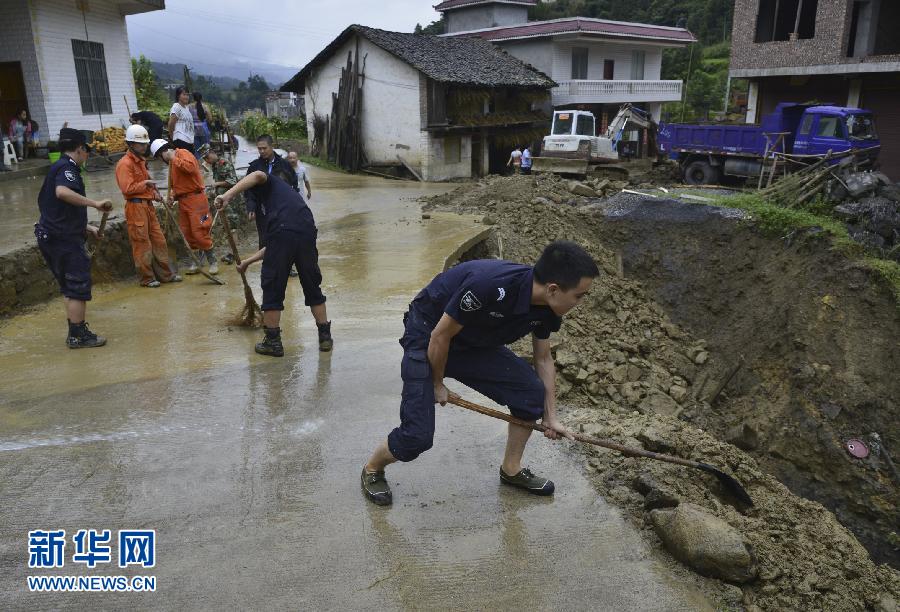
150,94
434,28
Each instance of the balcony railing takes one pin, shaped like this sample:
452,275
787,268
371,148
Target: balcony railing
603,92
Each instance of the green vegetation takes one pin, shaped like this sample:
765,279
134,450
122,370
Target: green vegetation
150,94
780,221
254,125
889,271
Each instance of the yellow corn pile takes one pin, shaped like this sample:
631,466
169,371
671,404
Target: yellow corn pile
109,140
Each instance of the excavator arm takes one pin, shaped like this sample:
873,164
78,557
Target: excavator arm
629,114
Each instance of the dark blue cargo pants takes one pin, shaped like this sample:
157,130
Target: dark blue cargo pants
492,371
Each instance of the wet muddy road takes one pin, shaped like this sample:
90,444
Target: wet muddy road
247,467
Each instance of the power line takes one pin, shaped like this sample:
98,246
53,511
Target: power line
242,21
218,49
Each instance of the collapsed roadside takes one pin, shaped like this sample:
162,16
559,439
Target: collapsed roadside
702,338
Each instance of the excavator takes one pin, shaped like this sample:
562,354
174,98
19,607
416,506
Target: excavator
573,148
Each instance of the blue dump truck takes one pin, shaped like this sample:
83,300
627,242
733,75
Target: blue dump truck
708,152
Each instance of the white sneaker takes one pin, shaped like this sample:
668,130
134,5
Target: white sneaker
192,269
213,268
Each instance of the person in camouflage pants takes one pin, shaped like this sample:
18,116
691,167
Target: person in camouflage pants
224,178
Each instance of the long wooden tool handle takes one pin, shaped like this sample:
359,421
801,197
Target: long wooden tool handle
190,251
231,242
234,249
103,220
625,450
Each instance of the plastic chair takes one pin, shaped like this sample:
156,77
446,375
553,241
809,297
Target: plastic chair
9,153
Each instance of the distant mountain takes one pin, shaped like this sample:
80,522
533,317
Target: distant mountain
226,77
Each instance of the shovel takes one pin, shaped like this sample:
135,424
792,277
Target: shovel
730,484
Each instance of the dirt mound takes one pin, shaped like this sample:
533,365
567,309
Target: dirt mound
638,369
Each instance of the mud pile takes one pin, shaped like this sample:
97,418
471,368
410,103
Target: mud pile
635,368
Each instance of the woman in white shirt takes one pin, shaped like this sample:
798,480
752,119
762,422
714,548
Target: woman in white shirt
181,121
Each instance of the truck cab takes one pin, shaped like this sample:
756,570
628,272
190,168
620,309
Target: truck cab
835,129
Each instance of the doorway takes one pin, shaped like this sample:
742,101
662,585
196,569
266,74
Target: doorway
12,92
477,156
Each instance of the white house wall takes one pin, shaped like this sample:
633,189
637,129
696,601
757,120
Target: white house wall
436,167
485,16
538,52
55,24
391,116
598,52
17,45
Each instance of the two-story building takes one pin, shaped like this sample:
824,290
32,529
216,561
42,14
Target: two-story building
845,52
598,64
68,62
284,105
444,107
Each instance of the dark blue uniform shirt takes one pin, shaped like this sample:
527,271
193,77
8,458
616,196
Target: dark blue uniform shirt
267,166
282,207
491,299
57,217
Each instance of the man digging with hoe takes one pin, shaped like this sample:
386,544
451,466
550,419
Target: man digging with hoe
458,327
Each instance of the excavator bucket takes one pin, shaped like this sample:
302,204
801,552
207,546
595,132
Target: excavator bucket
560,165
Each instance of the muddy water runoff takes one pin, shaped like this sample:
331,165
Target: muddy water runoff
248,467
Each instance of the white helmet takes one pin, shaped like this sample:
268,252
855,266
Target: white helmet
137,133
158,145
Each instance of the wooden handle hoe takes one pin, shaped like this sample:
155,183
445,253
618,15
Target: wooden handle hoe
730,484
187,245
251,314
103,220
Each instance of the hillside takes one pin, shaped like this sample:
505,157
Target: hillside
174,73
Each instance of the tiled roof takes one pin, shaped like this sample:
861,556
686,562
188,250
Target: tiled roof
585,25
452,4
468,61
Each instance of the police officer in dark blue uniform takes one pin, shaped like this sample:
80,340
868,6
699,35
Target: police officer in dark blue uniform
458,327
290,241
62,230
268,161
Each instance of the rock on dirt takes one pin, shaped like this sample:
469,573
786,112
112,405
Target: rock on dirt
582,190
706,543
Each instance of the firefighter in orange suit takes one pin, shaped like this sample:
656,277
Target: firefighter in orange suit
148,243
187,186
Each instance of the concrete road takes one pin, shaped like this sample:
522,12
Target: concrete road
247,467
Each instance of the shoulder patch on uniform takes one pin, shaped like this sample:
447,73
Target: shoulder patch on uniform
502,293
469,302
70,176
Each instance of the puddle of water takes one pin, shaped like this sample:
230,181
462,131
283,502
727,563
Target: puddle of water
370,238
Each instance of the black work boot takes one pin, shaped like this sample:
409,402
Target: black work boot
375,487
325,341
271,344
82,337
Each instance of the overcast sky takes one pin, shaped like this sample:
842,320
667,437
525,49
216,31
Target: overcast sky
285,32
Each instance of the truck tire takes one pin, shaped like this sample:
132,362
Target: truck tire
700,173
